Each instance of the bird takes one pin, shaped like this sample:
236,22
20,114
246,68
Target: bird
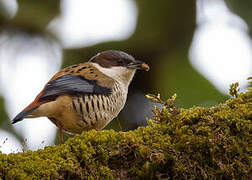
87,95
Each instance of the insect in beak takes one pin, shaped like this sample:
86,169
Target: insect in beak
138,65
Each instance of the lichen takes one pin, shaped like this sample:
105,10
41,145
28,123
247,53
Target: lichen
194,143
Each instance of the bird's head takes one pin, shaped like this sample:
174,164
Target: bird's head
118,65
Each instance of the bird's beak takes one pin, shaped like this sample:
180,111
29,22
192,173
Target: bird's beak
138,65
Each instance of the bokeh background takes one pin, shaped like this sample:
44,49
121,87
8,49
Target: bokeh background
196,48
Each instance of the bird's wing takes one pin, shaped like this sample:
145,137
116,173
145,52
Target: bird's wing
87,71
77,79
72,84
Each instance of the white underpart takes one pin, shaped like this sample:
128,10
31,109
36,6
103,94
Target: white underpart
121,74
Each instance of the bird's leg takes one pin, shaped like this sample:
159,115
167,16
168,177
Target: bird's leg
60,132
96,129
61,136
119,124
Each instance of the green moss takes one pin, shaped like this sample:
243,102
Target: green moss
192,143
234,89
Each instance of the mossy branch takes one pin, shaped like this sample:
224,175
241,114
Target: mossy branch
195,143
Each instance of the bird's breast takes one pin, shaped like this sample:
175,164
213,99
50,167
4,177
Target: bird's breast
88,111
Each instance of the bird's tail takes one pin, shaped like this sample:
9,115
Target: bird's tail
26,113
23,114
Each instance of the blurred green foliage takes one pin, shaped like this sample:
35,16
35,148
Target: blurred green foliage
33,16
190,86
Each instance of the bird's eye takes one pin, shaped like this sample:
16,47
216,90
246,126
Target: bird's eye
120,62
